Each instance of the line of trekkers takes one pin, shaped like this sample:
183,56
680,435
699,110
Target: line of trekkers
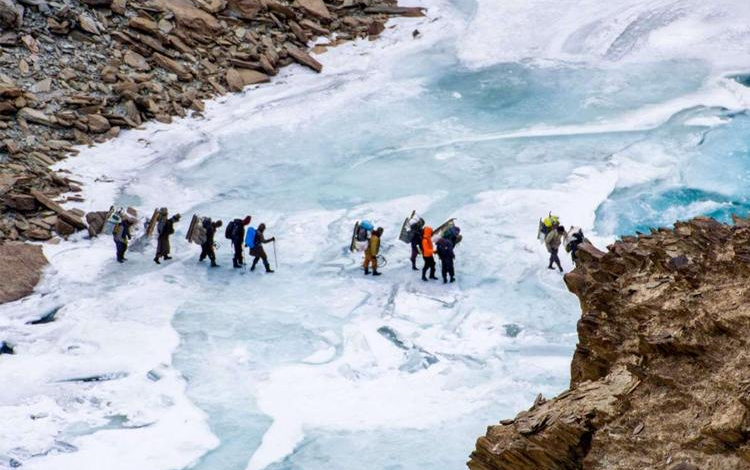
366,238
202,231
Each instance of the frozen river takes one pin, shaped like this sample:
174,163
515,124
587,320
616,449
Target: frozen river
617,118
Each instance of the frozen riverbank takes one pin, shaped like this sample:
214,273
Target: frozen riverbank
317,366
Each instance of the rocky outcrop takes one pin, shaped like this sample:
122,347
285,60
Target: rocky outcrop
660,377
21,268
80,72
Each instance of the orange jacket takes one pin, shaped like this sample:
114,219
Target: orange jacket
427,248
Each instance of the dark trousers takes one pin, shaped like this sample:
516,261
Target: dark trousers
429,263
553,258
121,248
237,261
259,253
573,250
414,254
446,268
207,250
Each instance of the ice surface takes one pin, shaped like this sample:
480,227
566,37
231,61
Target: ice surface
497,114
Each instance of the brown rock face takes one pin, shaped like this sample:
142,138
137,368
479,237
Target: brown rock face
660,377
20,268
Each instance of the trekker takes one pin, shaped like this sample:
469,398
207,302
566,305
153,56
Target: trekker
207,248
371,253
166,229
235,231
445,253
427,253
416,245
552,241
256,248
121,235
573,237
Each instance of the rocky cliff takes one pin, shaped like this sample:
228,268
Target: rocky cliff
660,378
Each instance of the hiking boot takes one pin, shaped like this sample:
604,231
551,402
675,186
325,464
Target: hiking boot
375,273
270,271
167,257
433,278
453,279
156,260
214,265
424,279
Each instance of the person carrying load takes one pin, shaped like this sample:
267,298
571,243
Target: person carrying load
371,253
255,240
573,238
121,235
552,241
416,242
411,233
165,230
207,247
235,232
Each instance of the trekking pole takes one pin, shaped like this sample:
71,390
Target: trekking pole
275,260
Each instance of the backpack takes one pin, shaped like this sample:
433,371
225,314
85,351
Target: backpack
362,234
229,231
250,238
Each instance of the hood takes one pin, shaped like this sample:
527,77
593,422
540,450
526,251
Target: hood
427,232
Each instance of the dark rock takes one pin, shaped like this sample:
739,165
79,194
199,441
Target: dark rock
20,268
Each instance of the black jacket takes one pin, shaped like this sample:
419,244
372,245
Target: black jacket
238,235
210,231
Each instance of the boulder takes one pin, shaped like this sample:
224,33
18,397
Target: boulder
315,8
20,202
88,24
36,116
303,57
97,123
182,72
237,79
63,228
190,16
11,14
21,268
136,61
96,222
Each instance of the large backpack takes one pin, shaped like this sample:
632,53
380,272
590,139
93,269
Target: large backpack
199,232
250,238
229,231
362,234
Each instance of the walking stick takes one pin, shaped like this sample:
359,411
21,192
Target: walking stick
275,260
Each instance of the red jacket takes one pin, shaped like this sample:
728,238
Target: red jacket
427,248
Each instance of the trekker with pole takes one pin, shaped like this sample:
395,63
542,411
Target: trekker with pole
256,248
